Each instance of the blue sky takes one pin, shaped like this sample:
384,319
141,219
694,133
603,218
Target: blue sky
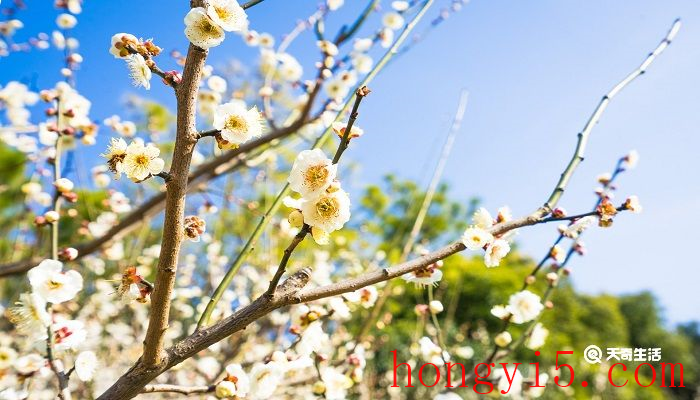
535,71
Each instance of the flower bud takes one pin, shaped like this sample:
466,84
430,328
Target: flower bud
530,279
63,185
296,219
68,254
266,91
225,389
319,388
194,227
51,216
320,236
436,307
88,140
71,197
558,213
552,277
420,309
503,339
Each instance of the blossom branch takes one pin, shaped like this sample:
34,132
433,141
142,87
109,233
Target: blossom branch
230,273
186,94
61,376
360,94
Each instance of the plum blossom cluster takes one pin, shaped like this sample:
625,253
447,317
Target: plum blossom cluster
477,236
206,27
69,112
138,55
324,206
34,318
138,161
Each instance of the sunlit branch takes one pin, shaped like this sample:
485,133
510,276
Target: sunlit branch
595,117
223,285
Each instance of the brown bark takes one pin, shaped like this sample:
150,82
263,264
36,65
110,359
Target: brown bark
185,141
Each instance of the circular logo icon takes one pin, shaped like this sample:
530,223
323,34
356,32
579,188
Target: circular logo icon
593,354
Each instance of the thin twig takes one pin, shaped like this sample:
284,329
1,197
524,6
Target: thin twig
360,94
167,388
595,117
298,238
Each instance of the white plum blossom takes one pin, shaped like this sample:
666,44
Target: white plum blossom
68,334
312,173
424,276
328,212
52,283
538,336
632,203
201,30
503,339
228,15
362,44
327,47
429,351
495,252
393,20
289,68
85,365
362,63
476,238
142,161
365,296
524,306
30,316
336,383
234,372
66,21
312,339
631,160
266,40
334,4
236,123
225,389
482,218
400,5
217,84
264,379
7,357
29,364
139,71
436,306
574,230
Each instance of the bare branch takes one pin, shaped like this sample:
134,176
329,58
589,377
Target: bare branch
595,117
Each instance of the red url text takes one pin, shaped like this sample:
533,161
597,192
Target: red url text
666,372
